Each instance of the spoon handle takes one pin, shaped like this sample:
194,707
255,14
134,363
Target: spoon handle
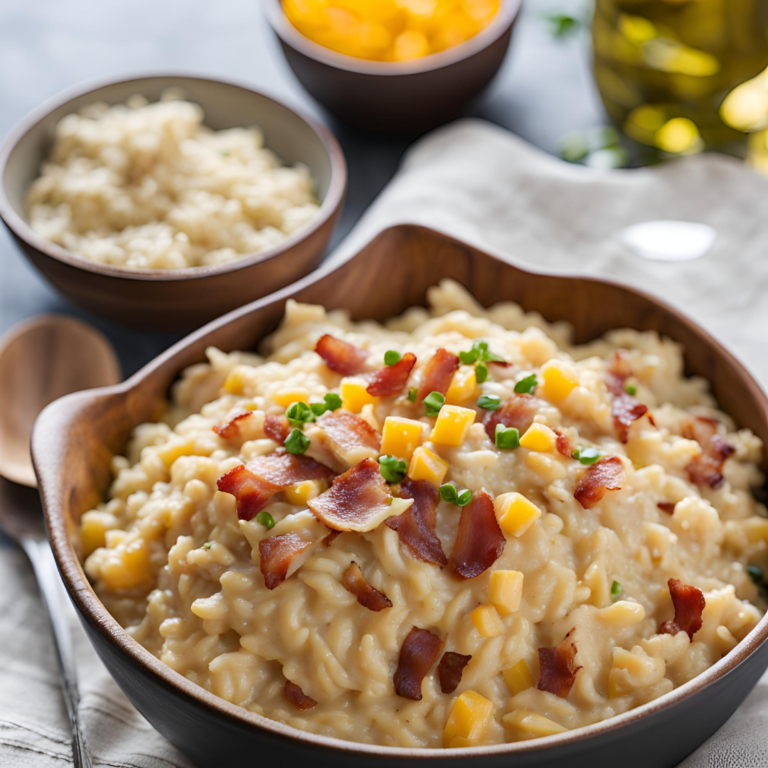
55,599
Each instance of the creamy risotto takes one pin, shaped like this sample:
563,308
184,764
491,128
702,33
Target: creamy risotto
148,186
454,529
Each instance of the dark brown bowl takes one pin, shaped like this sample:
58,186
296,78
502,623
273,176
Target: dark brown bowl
75,437
397,98
180,299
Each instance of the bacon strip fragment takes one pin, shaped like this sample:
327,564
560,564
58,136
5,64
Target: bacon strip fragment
390,379
253,485
606,474
418,655
416,526
277,554
557,668
369,597
707,469
341,356
231,428
667,506
625,410
563,445
277,428
358,500
479,540
438,373
517,412
689,605
297,697
349,437
450,669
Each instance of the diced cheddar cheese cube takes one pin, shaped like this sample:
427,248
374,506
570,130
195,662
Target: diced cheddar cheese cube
468,721
530,725
401,437
452,425
539,437
286,397
518,678
93,530
557,381
487,621
463,386
234,383
515,513
127,567
427,465
354,396
299,494
505,591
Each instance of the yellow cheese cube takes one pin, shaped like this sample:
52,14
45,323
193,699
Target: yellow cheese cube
286,397
234,383
401,437
128,567
529,725
354,396
452,425
505,591
487,621
468,721
515,513
518,677
463,386
93,530
426,465
557,382
539,438
299,494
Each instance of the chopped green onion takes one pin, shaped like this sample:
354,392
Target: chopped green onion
562,24
297,442
755,574
586,456
392,470
468,358
448,493
391,357
527,385
433,402
616,591
464,498
412,392
207,545
481,372
479,353
265,519
298,414
631,389
489,402
332,403
507,438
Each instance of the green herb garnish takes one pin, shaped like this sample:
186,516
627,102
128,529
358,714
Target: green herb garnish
631,389
207,545
526,385
433,402
755,573
479,353
332,402
297,442
616,591
587,456
562,24
298,414
412,392
391,357
392,470
265,519
507,438
449,494
481,372
489,402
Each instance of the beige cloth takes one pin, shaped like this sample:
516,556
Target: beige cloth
485,186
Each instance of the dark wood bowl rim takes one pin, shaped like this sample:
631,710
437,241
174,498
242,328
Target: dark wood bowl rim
101,620
291,36
19,226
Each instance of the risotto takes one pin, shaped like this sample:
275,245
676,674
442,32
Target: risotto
148,186
450,530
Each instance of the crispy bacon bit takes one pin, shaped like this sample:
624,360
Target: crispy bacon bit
619,369
277,428
358,500
297,697
416,526
557,671
563,445
254,484
517,412
707,469
369,597
438,373
341,356
450,669
605,474
277,554
479,540
418,655
230,429
390,379
625,410
347,432
689,605
667,506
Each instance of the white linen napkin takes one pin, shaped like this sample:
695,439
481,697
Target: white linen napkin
483,185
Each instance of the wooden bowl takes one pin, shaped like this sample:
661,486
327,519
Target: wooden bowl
163,300
75,438
396,98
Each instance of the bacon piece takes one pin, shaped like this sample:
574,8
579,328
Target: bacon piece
369,597
390,379
348,436
707,469
230,429
438,373
358,500
450,669
605,474
516,412
479,540
557,672
563,445
277,428
297,697
625,410
277,554
341,356
619,370
418,655
416,526
689,605
254,484
667,506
